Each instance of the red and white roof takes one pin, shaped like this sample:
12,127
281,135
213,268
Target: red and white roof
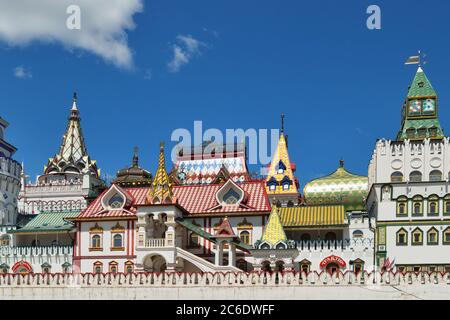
195,200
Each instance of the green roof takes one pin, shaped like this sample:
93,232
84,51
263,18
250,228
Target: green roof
49,222
421,86
417,125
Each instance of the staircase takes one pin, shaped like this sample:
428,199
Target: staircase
203,264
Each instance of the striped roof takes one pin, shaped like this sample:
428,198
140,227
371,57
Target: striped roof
48,222
273,231
195,199
313,216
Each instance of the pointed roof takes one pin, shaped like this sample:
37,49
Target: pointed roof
421,86
72,156
273,231
420,111
161,188
224,230
281,160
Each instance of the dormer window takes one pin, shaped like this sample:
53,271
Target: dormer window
281,167
286,186
286,183
231,197
272,184
116,202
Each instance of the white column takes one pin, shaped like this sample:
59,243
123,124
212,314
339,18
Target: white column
219,253
231,254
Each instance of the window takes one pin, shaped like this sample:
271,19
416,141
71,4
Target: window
305,266
433,206
417,237
358,266
272,187
46,267
397,177
245,237
4,240
231,197
446,236
96,233
96,242
116,201
66,267
117,241
193,240
415,176
447,205
281,167
98,267
417,206
432,237
113,267
129,267
435,175
402,237
286,186
402,206
358,234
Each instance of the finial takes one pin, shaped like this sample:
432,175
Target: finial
161,146
341,163
282,123
136,157
74,101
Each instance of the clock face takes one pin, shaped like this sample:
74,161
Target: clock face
415,107
429,106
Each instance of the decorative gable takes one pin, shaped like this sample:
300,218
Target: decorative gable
116,198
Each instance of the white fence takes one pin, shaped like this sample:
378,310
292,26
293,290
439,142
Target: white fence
218,279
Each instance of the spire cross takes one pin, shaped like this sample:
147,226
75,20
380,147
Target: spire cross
282,123
136,157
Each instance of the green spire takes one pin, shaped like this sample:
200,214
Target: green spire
420,111
421,86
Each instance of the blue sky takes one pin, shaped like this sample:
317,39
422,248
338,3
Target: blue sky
340,85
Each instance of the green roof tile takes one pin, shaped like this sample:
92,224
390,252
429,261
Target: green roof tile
48,222
421,86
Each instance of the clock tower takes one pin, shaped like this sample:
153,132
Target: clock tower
420,111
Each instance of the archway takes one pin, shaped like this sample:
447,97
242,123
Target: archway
279,266
332,268
154,263
265,266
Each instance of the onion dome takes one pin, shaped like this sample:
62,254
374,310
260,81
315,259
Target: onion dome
134,176
340,187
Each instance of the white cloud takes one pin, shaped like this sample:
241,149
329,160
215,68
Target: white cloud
183,51
22,73
104,26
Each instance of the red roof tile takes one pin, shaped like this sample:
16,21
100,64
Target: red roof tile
195,199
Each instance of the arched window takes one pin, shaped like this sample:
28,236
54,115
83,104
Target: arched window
98,267
66,267
245,236
397,176
447,205
417,206
46,267
116,201
433,205
96,242
117,240
417,237
306,237
402,206
402,237
435,175
330,236
193,240
305,266
432,237
129,267
415,176
113,267
358,234
446,236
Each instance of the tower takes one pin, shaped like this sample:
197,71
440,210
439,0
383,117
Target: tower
281,184
409,187
70,178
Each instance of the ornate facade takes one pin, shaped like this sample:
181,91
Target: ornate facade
409,187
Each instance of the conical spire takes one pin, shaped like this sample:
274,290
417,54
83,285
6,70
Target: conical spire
280,179
273,231
420,111
161,189
136,158
72,156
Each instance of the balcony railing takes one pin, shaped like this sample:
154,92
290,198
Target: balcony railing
155,243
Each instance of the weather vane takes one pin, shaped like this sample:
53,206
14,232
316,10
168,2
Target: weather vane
420,59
